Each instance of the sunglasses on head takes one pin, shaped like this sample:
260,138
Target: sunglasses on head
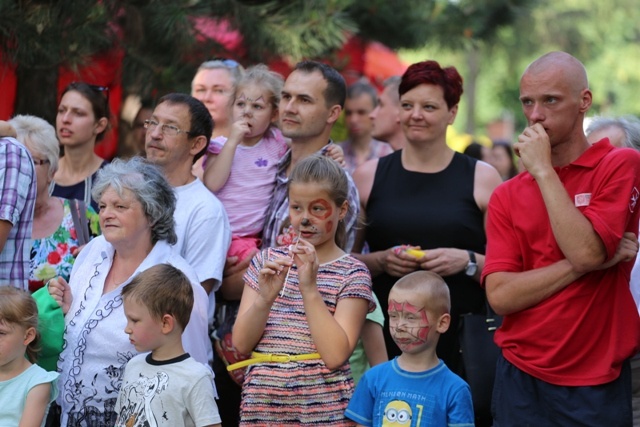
228,62
96,88
102,89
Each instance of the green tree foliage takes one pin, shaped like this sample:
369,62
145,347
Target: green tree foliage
465,22
294,29
162,46
45,34
38,36
397,24
605,36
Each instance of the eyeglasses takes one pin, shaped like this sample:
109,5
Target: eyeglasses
168,130
39,162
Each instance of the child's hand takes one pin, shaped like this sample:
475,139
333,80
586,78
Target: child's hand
7,130
336,153
306,259
271,278
239,129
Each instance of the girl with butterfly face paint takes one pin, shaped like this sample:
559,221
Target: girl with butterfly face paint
305,303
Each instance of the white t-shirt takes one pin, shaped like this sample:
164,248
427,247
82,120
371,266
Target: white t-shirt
203,230
204,234
172,393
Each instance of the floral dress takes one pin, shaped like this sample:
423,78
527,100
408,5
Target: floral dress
52,256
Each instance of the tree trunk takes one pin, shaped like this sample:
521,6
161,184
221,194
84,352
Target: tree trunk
470,88
37,92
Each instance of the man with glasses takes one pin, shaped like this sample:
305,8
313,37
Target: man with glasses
17,200
178,133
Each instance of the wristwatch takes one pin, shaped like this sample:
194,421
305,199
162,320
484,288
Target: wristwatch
472,267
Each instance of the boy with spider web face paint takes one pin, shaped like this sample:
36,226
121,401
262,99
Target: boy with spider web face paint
416,388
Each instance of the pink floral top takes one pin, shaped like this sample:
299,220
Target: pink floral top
52,256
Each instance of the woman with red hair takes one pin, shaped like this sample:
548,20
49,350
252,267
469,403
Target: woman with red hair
425,204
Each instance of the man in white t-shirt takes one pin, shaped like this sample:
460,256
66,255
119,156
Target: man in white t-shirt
177,135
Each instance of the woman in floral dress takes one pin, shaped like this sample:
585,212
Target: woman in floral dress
55,236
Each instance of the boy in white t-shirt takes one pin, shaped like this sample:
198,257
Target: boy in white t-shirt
165,387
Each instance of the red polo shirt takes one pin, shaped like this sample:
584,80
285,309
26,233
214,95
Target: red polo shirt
581,335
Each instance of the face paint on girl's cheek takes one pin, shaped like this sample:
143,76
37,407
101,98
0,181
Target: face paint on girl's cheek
326,205
328,226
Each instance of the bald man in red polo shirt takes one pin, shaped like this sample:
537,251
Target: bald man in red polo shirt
558,262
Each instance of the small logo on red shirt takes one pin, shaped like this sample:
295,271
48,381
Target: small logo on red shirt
582,199
635,194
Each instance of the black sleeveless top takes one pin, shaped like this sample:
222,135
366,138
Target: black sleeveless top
78,191
430,210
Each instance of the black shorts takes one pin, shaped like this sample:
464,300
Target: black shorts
522,400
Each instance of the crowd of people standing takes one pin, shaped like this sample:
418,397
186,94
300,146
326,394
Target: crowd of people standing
225,274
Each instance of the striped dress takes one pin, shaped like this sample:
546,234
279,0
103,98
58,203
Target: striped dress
304,392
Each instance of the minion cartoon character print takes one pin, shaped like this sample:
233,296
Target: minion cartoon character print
397,413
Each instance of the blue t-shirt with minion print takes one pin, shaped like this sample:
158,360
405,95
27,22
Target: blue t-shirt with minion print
389,396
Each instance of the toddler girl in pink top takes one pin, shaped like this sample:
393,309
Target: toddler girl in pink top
241,171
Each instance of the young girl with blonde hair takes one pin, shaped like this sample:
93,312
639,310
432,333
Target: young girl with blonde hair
242,171
26,390
302,310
